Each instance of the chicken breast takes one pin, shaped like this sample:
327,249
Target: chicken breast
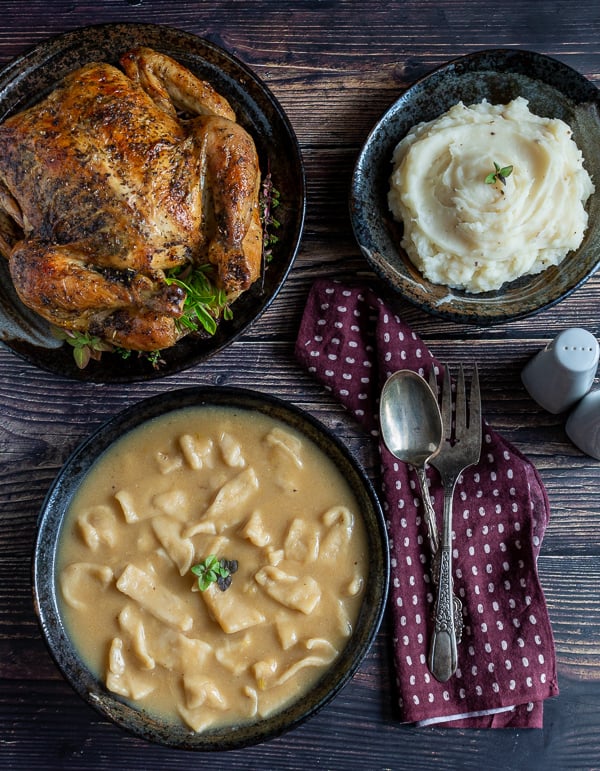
116,177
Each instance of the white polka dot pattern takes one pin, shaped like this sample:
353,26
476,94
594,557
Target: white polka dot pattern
351,342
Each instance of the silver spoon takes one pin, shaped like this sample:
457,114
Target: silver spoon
411,427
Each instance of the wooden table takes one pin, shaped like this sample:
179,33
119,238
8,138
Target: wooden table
335,67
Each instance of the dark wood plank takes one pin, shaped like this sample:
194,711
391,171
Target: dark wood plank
336,67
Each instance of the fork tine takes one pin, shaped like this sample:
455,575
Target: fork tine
446,406
475,407
460,408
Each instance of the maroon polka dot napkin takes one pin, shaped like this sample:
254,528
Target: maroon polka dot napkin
351,342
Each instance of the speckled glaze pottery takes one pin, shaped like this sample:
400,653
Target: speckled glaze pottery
45,590
31,76
553,90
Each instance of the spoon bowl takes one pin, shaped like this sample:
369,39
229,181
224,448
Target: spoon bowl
410,419
412,430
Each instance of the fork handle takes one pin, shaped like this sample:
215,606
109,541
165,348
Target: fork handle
443,652
443,655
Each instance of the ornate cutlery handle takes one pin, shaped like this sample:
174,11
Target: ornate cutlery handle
434,543
429,512
443,655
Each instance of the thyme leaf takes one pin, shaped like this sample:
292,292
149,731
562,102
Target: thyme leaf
269,201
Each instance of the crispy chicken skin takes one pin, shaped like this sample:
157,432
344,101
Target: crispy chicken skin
103,186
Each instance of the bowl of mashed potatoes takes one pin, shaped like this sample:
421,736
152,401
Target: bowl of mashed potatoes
474,196
211,568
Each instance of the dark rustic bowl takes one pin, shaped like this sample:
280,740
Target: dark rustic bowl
31,76
45,590
553,90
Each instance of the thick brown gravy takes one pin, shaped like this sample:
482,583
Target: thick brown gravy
212,481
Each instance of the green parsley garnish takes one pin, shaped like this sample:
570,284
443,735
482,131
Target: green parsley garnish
215,570
499,175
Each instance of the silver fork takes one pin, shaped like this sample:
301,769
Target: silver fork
460,449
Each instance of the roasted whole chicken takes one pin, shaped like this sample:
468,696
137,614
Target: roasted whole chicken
115,178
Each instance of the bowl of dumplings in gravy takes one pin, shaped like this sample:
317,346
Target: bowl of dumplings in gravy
211,568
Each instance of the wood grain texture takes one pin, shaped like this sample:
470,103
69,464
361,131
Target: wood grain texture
335,67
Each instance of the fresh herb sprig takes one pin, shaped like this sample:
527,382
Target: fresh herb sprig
214,570
85,346
499,175
269,201
152,357
204,304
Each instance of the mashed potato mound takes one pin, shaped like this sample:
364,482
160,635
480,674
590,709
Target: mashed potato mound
468,234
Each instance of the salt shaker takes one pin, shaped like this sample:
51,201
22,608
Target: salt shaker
583,425
563,372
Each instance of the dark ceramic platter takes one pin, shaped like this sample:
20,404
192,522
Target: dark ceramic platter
49,526
33,75
553,90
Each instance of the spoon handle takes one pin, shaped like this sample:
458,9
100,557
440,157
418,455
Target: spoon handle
429,512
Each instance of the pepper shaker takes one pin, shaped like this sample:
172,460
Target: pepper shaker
563,372
583,425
